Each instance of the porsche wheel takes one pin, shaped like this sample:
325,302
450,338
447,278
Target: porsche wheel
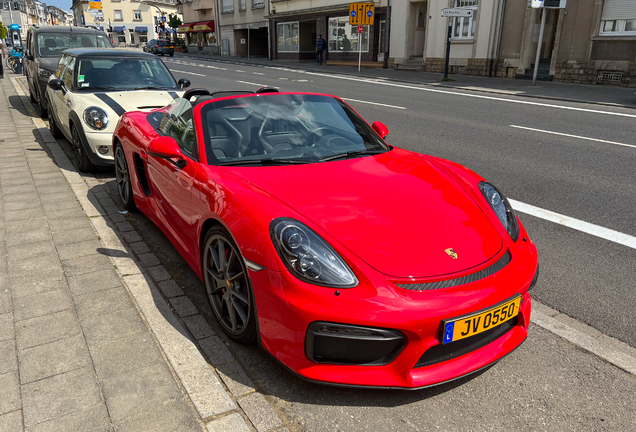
228,287
123,179
55,131
84,164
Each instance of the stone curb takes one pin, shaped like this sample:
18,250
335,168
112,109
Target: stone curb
435,84
215,399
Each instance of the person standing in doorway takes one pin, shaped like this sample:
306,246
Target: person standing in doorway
321,46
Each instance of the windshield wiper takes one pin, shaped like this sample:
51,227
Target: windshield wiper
351,153
100,88
266,161
150,88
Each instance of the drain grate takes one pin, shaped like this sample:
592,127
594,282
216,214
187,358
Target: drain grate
610,77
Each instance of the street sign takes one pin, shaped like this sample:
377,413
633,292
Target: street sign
457,12
361,13
95,5
360,29
97,14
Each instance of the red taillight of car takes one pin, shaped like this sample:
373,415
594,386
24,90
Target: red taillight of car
170,46
156,46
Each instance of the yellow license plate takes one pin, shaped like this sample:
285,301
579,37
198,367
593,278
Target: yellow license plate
466,326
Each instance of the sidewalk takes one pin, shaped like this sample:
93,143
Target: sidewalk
87,341
597,94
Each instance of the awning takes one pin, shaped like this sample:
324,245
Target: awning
203,26
185,28
118,29
169,30
141,29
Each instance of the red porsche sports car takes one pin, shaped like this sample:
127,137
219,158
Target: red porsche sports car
351,261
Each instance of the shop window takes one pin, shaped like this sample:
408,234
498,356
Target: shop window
344,37
121,37
287,37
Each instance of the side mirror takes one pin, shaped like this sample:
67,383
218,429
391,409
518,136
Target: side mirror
167,148
184,83
380,128
56,84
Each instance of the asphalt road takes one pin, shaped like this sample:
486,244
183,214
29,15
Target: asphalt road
547,384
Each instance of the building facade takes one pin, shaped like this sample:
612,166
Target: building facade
199,25
294,27
15,12
128,23
243,28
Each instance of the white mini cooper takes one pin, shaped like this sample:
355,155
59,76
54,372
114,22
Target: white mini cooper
92,88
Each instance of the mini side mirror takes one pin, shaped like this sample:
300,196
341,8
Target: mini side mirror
184,83
166,147
380,128
56,84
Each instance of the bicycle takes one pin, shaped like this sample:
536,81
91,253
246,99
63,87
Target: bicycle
15,56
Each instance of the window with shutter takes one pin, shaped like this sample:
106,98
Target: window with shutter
618,18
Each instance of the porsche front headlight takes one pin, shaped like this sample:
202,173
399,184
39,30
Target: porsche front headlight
96,118
308,257
502,208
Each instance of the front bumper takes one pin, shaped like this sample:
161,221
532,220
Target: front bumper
91,141
287,307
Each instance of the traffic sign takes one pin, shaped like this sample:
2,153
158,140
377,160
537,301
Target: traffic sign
360,29
94,5
457,12
97,14
361,13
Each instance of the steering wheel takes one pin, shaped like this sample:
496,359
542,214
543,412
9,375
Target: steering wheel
316,135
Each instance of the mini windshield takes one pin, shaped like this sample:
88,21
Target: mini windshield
52,44
105,73
272,129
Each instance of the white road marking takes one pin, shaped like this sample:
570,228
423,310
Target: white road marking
573,136
577,224
258,73
240,71
251,83
191,73
373,103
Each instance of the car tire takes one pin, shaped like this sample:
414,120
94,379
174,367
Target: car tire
44,109
55,130
31,97
84,164
122,175
171,54
228,286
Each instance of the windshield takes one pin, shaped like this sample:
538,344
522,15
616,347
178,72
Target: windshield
162,42
52,44
278,128
103,73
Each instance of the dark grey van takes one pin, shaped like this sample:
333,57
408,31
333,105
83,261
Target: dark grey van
44,46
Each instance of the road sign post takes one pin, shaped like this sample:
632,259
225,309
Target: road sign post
538,57
361,14
450,13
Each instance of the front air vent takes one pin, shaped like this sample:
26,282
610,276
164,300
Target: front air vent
448,283
352,345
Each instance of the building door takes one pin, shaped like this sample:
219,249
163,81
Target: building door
132,38
382,45
421,19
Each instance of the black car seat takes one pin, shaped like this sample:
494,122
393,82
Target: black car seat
49,47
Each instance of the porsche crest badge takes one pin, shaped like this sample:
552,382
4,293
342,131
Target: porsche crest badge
451,253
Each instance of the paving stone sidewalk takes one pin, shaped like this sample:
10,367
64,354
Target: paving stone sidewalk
75,353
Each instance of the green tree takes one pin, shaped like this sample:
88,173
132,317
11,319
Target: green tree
3,31
174,23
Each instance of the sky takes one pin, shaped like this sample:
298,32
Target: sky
62,4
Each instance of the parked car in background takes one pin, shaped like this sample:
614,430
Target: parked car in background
44,45
160,46
92,88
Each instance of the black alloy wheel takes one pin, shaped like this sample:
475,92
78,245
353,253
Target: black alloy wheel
44,112
228,286
31,97
55,131
123,179
84,164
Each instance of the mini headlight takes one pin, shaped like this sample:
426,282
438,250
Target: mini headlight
502,208
96,118
308,257
44,73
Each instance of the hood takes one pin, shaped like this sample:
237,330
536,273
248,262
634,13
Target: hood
395,211
48,63
135,100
